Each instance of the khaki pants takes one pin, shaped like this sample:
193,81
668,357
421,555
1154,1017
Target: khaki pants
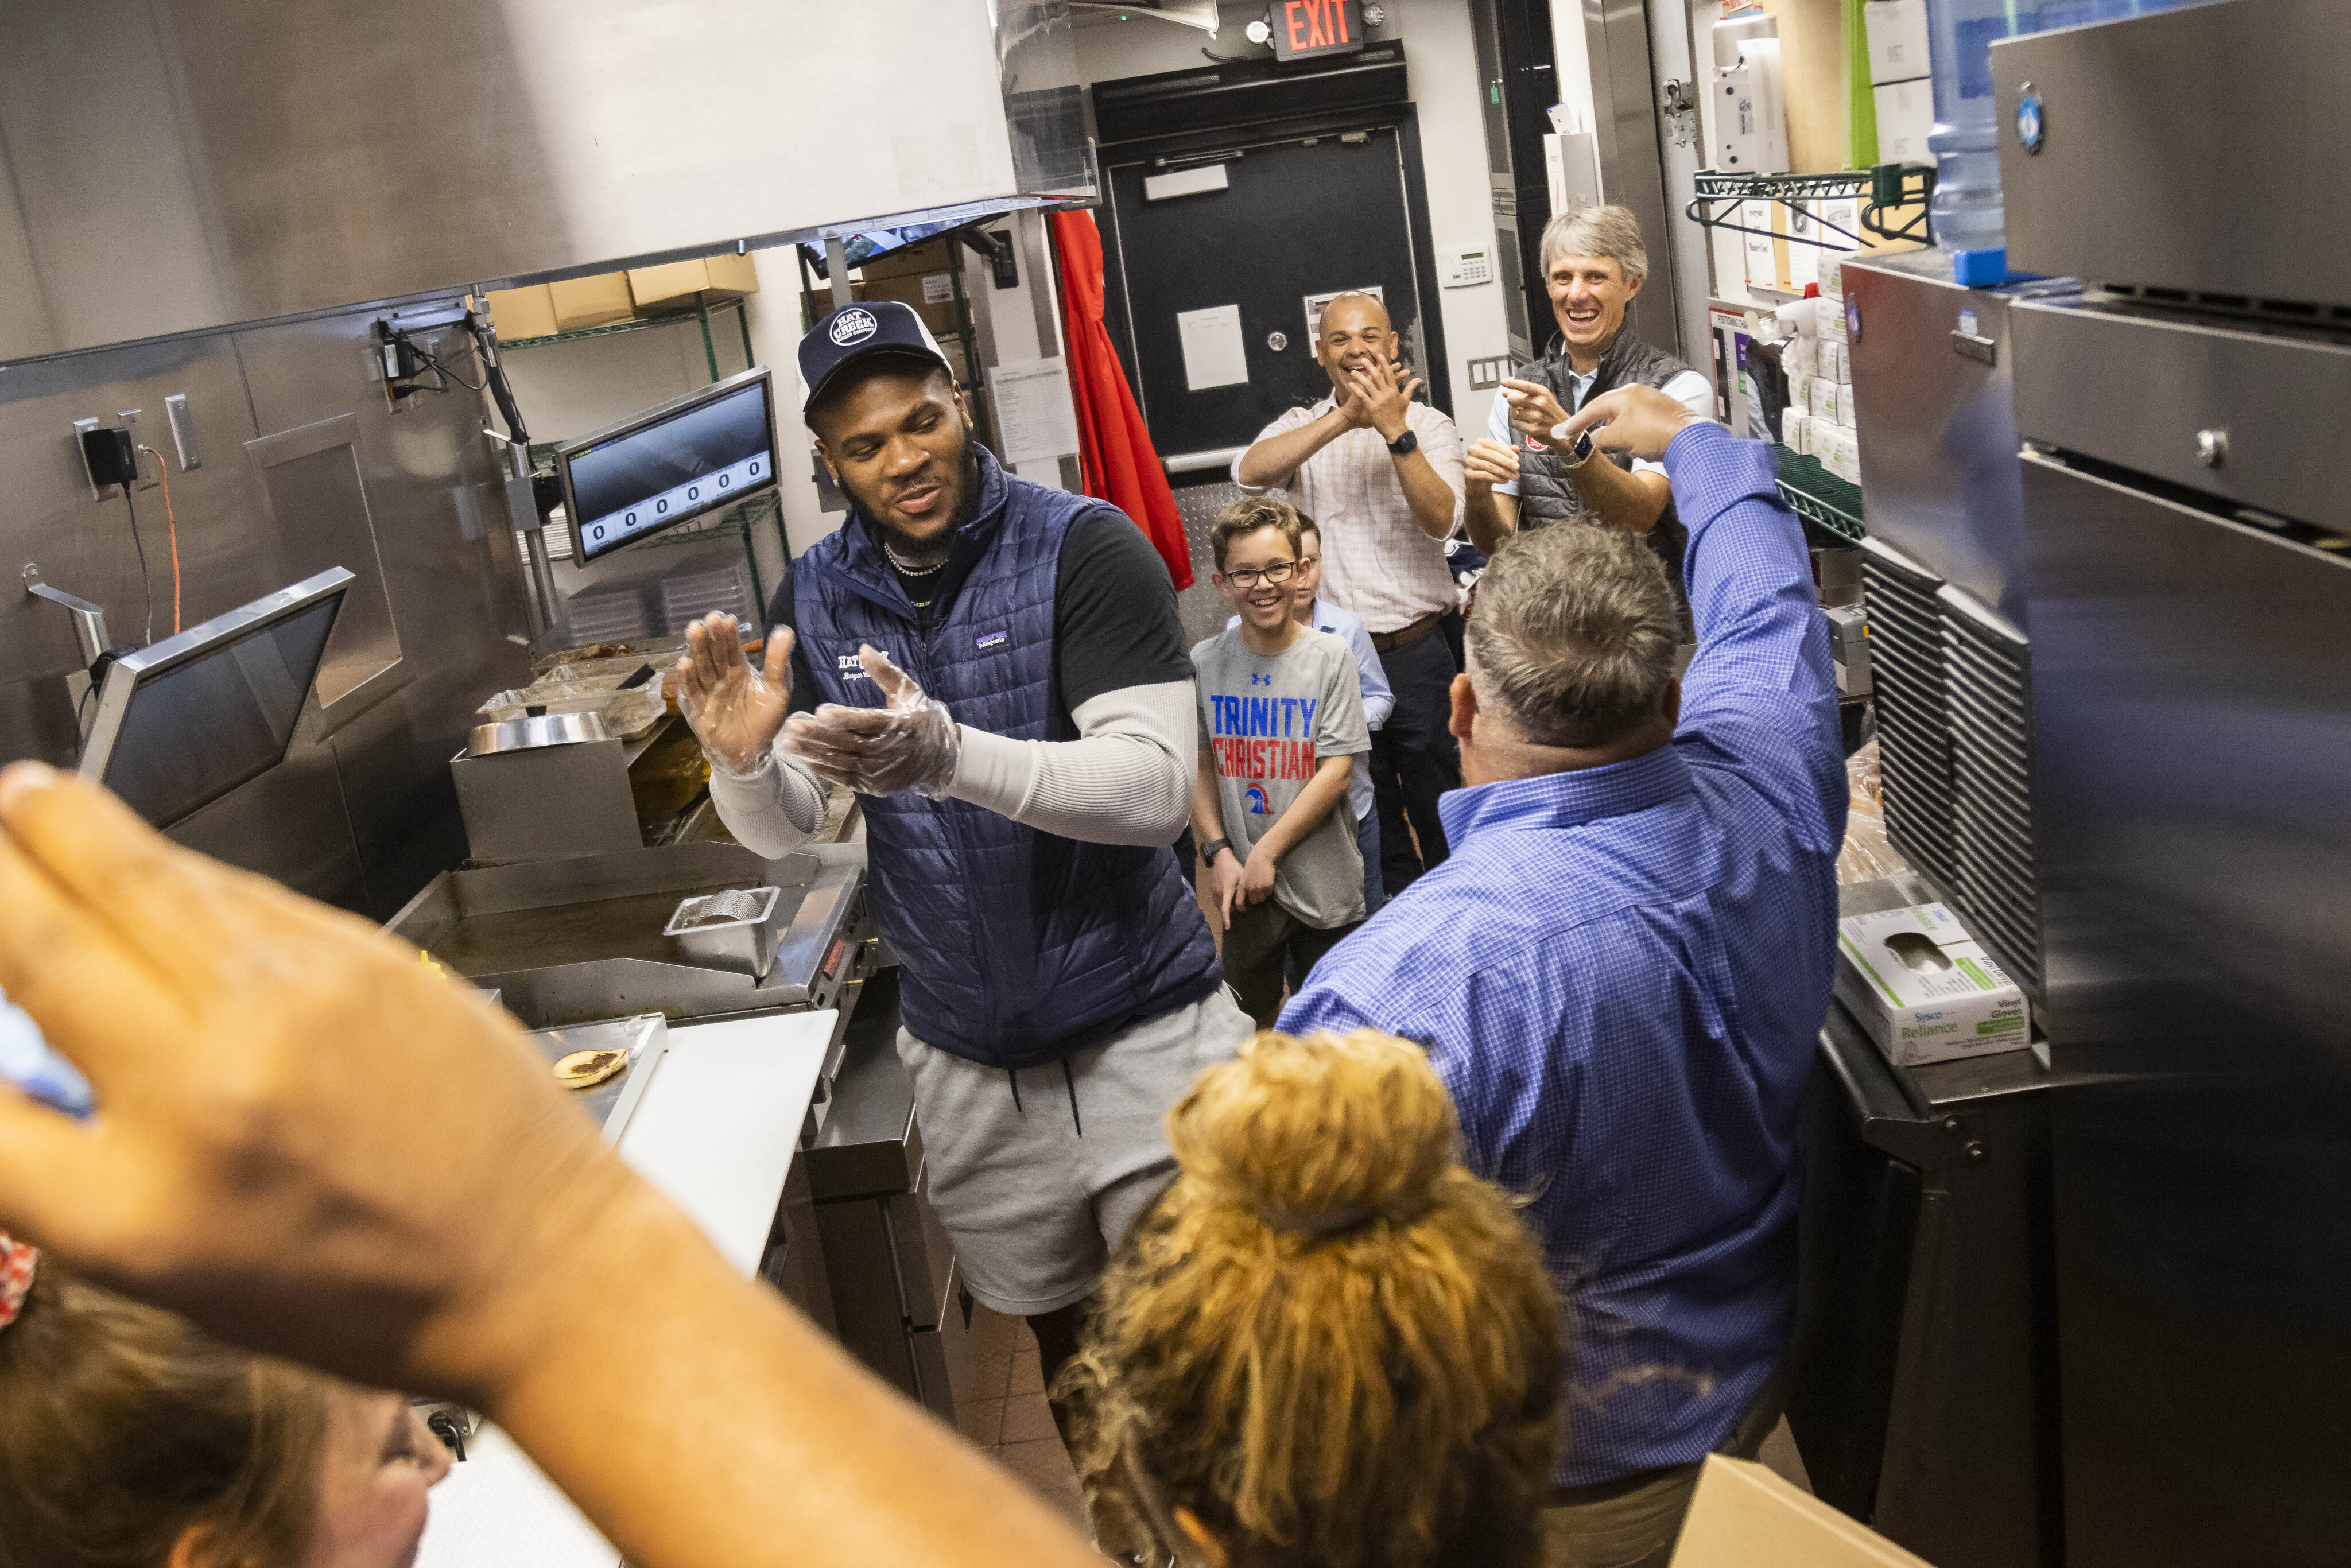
1633,1523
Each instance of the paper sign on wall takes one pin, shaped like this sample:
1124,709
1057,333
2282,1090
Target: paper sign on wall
1315,303
1213,353
938,287
1034,415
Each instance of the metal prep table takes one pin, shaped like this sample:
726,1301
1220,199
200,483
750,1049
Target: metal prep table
579,939
708,1135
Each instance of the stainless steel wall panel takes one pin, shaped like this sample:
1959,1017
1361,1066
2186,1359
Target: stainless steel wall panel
431,477
228,554
1632,167
185,165
1938,427
2197,149
2186,377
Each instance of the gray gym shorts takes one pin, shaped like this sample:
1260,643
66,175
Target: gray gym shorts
1039,1174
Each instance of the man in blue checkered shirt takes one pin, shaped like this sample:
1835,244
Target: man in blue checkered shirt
1621,970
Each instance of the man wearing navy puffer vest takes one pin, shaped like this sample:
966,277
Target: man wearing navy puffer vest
998,668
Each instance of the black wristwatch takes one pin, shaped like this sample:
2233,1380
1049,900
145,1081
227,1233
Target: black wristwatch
1406,443
1214,847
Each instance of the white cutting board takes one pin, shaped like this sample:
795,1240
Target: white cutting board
715,1132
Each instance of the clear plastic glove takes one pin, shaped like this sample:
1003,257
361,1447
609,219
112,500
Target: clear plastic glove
735,710
910,743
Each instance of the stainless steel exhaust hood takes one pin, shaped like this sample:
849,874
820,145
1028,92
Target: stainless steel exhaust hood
169,166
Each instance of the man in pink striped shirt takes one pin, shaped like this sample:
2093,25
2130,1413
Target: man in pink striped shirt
1382,475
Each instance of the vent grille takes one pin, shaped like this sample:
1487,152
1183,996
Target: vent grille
1987,665
1914,737
2246,308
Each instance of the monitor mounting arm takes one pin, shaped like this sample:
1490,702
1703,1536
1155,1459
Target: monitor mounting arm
89,620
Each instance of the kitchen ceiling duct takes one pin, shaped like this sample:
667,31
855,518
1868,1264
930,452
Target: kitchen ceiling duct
169,166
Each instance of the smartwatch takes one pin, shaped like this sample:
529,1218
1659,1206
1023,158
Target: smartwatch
1408,441
1213,848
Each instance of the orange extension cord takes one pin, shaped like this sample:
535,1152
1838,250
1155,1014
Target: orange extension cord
164,471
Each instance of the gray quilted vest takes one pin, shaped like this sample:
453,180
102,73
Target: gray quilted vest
1546,493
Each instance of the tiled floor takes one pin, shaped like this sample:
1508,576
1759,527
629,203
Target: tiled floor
1008,1415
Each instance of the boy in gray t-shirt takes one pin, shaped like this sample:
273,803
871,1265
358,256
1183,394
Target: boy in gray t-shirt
1281,718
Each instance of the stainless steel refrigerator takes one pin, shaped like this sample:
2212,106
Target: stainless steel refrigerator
2185,421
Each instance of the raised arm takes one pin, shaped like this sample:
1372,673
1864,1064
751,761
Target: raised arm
1750,581
312,1145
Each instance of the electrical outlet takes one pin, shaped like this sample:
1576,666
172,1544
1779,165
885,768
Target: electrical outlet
128,418
1487,374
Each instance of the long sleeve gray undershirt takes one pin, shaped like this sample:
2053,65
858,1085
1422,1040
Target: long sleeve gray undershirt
1126,779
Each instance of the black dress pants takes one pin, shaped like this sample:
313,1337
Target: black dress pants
1414,758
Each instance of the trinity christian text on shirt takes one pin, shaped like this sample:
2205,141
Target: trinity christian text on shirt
1268,722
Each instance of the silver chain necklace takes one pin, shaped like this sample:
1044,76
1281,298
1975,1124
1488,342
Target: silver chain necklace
910,570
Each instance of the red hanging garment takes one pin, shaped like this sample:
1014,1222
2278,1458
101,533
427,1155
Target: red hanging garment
1114,446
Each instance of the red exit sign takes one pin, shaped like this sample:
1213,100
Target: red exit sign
1303,28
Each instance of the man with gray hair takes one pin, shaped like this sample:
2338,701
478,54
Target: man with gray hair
1593,263
1621,970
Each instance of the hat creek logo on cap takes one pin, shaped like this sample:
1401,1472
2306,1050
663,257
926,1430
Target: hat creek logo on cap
855,332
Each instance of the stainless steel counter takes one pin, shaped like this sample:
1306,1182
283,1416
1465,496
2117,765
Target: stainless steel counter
568,941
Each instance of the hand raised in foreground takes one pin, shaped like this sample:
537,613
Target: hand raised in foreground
1640,421
737,711
303,1138
310,1142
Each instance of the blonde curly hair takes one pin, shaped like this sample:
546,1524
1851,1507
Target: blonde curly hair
1327,1336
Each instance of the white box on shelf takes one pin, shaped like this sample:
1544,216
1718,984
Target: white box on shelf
1796,430
1897,40
1824,402
1924,989
1750,116
1844,409
1905,114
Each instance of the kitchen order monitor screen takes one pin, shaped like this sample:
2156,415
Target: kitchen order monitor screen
681,462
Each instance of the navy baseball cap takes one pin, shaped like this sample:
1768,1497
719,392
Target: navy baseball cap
854,332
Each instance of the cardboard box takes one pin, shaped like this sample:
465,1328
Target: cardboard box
591,302
1846,413
1924,989
1897,40
685,283
517,313
1743,1516
816,303
913,260
931,294
1796,431
1905,114
1823,400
